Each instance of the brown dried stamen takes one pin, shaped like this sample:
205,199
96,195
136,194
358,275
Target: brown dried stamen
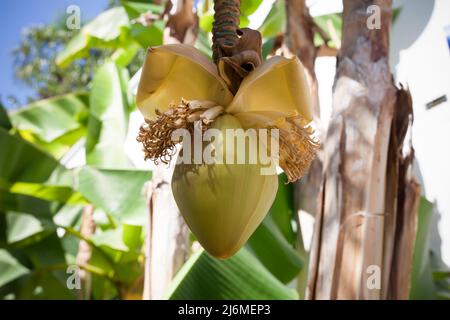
156,135
296,146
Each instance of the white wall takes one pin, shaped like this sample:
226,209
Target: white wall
420,58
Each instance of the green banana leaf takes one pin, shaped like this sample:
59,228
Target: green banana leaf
50,119
10,268
275,22
275,252
239,277
422,285
118,192
248,7
22,161
107,30
273,242
204,43
5,123
48,277
27,172
332,24
146,36
23,228
110,106
135,8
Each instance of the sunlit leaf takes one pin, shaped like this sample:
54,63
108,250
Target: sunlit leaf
102,32
21,161
275,22
148,36
422,285
5,123
10,268
22,227
118,192
206,21
332,24
275,252
203,43
134,8
50,119
108,121
239,277
282,210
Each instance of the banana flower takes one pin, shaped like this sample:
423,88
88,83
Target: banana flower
179,85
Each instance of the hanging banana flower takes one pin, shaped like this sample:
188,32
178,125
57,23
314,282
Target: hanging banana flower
180,88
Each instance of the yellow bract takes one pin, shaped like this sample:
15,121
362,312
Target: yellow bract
223,204
175,72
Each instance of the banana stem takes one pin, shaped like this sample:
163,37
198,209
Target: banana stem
225,26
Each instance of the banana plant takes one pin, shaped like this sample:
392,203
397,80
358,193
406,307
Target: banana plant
65,153
42,204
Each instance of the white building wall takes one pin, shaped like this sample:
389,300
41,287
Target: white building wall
420,58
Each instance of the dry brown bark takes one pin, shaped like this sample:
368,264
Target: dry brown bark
182,26
167,244
84,254
299,40
368,201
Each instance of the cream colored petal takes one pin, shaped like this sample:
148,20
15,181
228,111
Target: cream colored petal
279,85
260,119
297,144
177,71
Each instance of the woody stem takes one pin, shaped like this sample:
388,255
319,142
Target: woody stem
225,26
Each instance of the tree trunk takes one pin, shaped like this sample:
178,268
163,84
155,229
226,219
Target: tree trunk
84,254
167,244
365,226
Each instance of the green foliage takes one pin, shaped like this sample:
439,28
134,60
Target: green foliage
273,242
102,32
275,22
332,24
10,268
54,124
423,286
5,122
118,192
239,277
110,105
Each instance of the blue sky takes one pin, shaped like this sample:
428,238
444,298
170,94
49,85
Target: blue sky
17,14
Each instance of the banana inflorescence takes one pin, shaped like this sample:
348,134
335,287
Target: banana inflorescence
223,203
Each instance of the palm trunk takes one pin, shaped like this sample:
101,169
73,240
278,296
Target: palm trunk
167,244
84,254
368,202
